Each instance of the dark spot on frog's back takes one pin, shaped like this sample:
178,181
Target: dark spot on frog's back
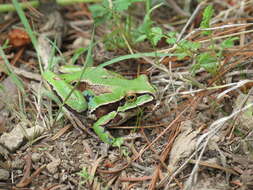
96,89
82,86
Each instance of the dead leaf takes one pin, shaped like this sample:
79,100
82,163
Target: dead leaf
184,144
18,37
246,117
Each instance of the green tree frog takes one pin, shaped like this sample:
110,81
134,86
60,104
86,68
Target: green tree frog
105,96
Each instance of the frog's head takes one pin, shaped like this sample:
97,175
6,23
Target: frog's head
124,94
137,93
126,101
140,85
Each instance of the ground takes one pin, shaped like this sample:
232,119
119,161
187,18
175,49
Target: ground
198,132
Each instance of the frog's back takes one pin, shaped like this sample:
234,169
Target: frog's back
102,76
115,80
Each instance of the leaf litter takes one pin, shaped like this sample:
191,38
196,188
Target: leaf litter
188,141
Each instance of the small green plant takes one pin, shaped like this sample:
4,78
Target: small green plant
207,16
125,31
184,47
208,60
211,58
125,152
84,174
146,29
112,12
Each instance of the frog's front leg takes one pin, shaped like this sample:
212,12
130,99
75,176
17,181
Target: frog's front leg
104,135
71,97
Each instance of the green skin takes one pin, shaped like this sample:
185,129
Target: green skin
106,87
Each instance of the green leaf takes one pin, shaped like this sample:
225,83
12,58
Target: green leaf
156,35
122,5
84,173
207,62
145,27
184,47
171,41
188,45
172,34
77,54
195,46
207,16
228,43
141,38
118,142
205,58
101,12
182,56
210,67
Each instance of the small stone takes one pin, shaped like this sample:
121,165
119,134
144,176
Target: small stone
138,143
18,163
64,176
71,162
4,175
52,167
3,151
13,140
19,172
56,176
36,157
34,132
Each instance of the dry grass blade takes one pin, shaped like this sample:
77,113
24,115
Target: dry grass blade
61,132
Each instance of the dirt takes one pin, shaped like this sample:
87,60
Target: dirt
197,134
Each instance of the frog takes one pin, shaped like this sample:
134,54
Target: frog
106,97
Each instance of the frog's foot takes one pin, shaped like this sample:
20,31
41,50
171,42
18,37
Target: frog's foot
104,135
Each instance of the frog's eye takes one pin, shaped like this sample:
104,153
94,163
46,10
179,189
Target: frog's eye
130,97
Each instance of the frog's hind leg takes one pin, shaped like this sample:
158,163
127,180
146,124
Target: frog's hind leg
104,135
